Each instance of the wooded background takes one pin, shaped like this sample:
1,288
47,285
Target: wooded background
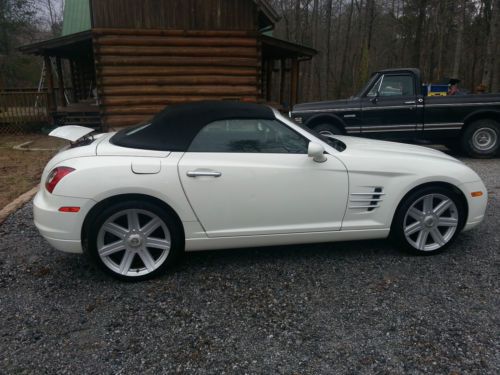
444,38
24,22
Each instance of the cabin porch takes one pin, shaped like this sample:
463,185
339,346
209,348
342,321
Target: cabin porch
68,79
113,86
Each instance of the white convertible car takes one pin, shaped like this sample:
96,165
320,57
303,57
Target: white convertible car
214,175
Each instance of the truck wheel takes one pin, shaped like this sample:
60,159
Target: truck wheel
481,139
328,130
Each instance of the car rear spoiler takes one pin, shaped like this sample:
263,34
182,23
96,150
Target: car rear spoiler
72,133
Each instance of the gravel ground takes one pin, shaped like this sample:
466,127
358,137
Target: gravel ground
344,308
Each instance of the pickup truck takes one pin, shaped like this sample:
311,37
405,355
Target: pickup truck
392,106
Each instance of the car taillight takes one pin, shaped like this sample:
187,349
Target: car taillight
55,176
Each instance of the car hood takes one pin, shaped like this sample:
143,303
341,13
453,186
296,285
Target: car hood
367,146
382,159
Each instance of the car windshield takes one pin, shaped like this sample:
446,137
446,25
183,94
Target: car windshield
332,141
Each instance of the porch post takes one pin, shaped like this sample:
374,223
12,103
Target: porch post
294,86
282,81
50,84
73,81
269,79
60,82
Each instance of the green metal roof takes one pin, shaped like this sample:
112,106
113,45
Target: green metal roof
76,16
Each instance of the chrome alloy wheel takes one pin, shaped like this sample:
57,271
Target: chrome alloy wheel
430,222
484,139
133,242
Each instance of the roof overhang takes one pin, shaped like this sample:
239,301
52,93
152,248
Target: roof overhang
274,48
268,16
73,45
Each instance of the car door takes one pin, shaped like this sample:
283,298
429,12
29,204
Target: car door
254,177
389,109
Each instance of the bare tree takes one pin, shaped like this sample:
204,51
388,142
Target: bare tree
51,12
491,59
347,45
354,38
460,36
327,45
314,38
17,20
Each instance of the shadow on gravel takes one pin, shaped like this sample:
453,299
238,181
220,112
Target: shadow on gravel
292,253
78,267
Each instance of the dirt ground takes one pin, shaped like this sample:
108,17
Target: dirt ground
21,170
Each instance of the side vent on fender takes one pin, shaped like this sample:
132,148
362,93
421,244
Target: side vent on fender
367,201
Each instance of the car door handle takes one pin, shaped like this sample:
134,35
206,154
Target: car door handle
411,102
203,173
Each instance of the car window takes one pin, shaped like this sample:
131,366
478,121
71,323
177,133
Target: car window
249,136
397,85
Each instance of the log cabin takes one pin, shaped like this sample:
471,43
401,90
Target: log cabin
127,59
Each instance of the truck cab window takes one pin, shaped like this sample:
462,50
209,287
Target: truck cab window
375,88
393,85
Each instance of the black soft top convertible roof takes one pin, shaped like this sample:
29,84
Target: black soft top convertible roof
174,128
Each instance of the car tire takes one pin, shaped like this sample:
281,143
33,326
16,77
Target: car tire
133,240
328,130
428,220
481,139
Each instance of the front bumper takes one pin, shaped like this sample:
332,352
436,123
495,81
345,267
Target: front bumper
477,205
61,230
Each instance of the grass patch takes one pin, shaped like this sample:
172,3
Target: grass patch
21,170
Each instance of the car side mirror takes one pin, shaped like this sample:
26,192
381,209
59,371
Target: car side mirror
317,152
374,100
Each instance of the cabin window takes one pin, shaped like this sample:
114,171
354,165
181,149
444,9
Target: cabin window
249,136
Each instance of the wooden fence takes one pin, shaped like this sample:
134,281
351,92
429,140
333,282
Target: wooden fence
23,110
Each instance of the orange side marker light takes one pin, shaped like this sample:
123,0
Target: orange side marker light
476,194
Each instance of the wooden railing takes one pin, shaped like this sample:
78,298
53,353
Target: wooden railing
22,109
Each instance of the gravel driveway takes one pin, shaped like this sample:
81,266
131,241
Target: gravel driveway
344,308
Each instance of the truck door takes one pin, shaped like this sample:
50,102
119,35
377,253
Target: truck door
389,108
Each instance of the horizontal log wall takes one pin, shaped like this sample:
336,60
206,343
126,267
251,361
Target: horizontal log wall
175,14
139,72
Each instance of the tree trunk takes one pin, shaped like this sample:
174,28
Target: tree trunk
367,42
418,33
328,43
297,21
441,49
491,58
313,63
495,83
458,45
347,44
